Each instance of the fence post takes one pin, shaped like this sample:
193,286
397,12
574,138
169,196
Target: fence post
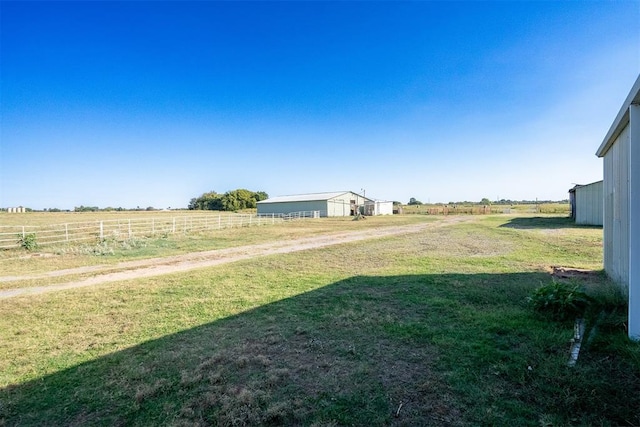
23,233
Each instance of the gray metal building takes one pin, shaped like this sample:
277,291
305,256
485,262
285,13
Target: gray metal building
587,204
332,204
621,152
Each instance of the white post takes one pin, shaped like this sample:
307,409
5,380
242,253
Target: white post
634,221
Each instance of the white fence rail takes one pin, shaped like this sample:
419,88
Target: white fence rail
123,229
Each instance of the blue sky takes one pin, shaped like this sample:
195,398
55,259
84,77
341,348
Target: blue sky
152,103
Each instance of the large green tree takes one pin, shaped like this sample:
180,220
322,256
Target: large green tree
230,201
211,201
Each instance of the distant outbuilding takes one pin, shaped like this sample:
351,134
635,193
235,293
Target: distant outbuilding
330,204
587,204
621,152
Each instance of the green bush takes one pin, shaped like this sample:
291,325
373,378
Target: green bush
561,301
28,241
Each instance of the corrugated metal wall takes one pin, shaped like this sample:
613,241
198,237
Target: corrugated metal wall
339,206
384,208
616,206
290,207
589,204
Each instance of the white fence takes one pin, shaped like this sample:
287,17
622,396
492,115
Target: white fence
122,229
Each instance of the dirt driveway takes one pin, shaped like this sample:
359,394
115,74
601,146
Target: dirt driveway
174,264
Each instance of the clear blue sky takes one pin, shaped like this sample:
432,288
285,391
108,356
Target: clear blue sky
152,103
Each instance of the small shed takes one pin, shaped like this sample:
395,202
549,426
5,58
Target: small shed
332,204
587,203
620,150
383,208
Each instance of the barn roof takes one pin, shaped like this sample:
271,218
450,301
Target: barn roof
305,197
575,187
622,119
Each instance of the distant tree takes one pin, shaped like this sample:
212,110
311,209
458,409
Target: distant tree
485,201
413,201
82,208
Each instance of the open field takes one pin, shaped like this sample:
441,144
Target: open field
461,209
46,218
109,252
63,229
100,274
425,328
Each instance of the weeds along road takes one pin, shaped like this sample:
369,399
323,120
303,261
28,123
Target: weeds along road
179,263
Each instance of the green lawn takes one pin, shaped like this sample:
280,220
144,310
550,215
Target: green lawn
424,329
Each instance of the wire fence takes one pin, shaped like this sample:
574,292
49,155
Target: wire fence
15,236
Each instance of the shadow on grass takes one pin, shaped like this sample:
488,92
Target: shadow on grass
411,350
551,222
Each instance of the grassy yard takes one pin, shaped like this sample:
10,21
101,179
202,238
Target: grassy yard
422,329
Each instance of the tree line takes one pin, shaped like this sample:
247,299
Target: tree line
230,201
485,201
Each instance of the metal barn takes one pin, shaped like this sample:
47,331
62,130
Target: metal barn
338,203
621,152
587,203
